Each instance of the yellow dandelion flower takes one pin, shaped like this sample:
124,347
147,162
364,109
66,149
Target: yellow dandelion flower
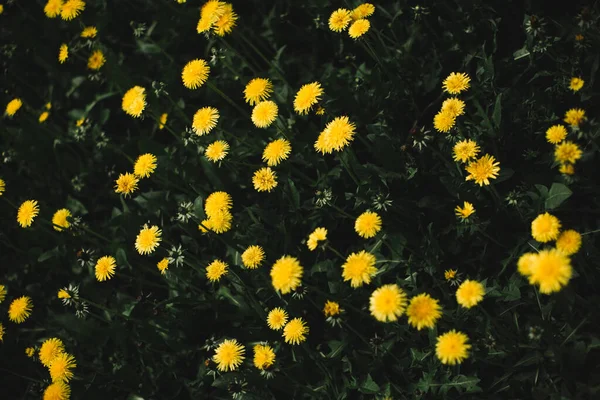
452,348
60,368
264,179
307,97
49,350
567,169
205,119
134,101
43,117
80,122
456,82
63,294
525,263
359,28
30,352
295,331
567,152
195,73
450,274
2,186
226,22
545,228
215,270
576,83
48,106
253,256
13,106
363,11
277,318
444,121
63,53
28,210
264,114
276,151
229,355
337,134
96,60
367,224
286,274
217,150
89,32
2,293
210,13
20,309
465,211
359,268
221,222
551,270
257,90
318,235
60,219
52,8
148,239
1,326
423,311
126,184
57,391
556,134
387,303
71,9
569,242
217,202
264,356
162,122
453,106
163,265
574,116
339,20
483,169
470,293
331,309
105,268
144,165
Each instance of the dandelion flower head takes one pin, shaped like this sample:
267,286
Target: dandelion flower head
49,350
456,82
28,210
423,311
465,211
71,9
61,367
57,391
387,303
359,28
105,268
277,318
286,274
452,348
567,152
367,224
126,184
134,101
444,121
307,97
13,106
229,355
264,114
205,119
216,270
545,228
264,356
217,150
574,116
470,293
276,151
96,60
483,169
339,20
359,268
195,73
253,256
569,242
465,150
148,239
264,180
63,53
257,90
20,309
52,8
576,83
295,331
144,165
60,219
551,270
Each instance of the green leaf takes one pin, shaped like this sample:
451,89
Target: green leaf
557,195
369,386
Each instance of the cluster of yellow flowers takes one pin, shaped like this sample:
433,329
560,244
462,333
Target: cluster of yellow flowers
217,16
68,10
453,107
550,269
341,18
217,208
566,152
143,167
60,364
